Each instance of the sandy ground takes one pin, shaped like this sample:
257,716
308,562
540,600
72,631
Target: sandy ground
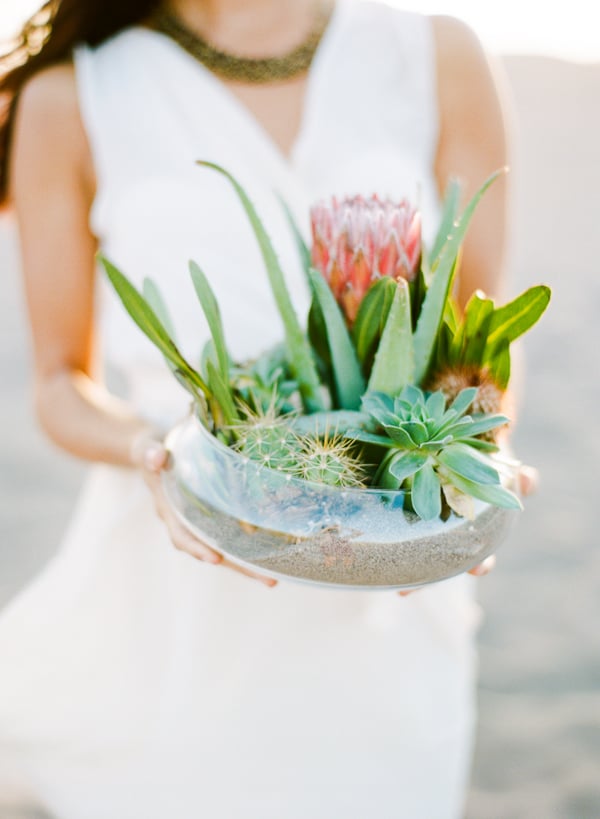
538,753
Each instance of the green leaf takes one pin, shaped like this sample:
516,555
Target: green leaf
405,464
400,436
210,307
516,317
371,317
149,323
222,393
369,438
347,375
466,462
463,400
436,404
154,298
496,495
393,367
478,443
303,248
435,301
499,365
299,352
426,493
449,213
478,315
485,423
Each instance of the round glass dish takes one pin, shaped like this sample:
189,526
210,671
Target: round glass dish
288,528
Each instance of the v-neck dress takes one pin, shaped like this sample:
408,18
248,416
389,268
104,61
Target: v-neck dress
135,682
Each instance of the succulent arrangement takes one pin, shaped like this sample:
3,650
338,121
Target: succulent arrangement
388,386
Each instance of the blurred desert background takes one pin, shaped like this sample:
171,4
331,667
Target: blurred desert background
538,747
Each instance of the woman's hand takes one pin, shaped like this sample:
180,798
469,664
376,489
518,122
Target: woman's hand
149,454
528,479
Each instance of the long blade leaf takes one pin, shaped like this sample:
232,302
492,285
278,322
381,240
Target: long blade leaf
433,307
210,308
300,354
349,382
394,363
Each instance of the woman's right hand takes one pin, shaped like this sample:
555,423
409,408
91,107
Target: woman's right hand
150,455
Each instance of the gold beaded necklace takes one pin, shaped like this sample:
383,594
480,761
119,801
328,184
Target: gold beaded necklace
245,69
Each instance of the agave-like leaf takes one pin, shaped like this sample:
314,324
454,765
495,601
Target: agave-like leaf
152,294
149,323
463,401
372,316
435,405
400,436
515,318
426,493
222,393
466,462
349,382
393,367
405,464
303,248
435,301
210,307
499,364
449,213
369,438
472,338
496,495
299,352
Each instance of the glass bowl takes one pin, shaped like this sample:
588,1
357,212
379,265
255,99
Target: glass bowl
288,528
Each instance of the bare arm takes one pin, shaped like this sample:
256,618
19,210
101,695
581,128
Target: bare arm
52,188
473,144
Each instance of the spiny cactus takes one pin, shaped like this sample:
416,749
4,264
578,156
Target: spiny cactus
329,460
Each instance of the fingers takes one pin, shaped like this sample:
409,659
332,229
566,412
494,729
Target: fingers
270,582
528,480
484,568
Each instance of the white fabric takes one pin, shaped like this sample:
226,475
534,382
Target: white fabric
135,682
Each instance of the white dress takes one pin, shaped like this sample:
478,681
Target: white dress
135,682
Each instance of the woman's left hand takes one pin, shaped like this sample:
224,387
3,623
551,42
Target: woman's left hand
528,481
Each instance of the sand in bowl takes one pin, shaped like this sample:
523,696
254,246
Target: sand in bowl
289,528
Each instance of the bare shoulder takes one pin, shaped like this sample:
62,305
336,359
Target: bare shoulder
48,121
467,80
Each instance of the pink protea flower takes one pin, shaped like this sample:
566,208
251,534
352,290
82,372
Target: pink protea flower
357,241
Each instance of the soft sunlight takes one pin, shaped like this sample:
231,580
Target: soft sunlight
562,30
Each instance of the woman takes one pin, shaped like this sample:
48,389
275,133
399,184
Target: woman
136,681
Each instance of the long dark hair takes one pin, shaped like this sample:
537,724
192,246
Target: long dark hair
47,38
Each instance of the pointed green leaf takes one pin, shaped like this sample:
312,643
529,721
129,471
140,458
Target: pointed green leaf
435,301
299,352
426,493
349,382
371,317
400,436
436,404
478,315
516,317
149,323
499,365
449,213
210,307
496,495
485,423
369,438
222,393
153,296
463,400
393,367
469,464
405,464
303,248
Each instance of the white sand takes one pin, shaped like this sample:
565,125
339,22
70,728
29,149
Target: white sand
539,732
